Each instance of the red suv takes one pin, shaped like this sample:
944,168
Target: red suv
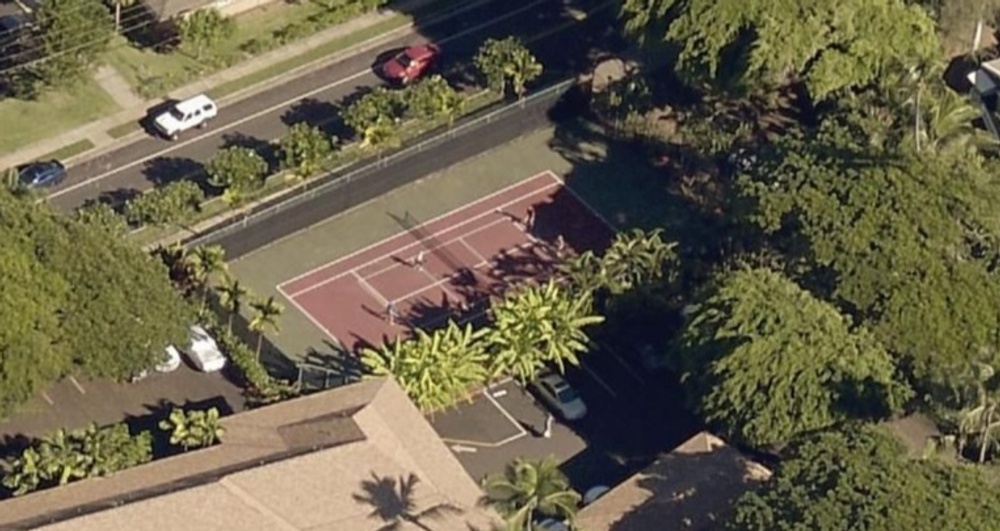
410,64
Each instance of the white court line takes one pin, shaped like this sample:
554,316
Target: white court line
77,385
435,219
369,288
271,109
312,319
599,380
392,266
472,249
418,243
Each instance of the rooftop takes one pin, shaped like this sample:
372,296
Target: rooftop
692,488
360,457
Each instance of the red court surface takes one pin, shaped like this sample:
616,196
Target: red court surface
470,255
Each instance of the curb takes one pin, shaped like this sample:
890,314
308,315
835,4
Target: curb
270,82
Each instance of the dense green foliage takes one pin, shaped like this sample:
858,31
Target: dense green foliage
764,361
73,34
203,29
166,204
861,476
66,456
193,428
82,300
237,170
828,45
507,64
305,149
906,242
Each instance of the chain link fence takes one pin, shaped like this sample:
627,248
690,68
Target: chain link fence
338,191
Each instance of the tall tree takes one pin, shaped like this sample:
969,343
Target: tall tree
237,170
906,243
828,45
436,369
203,29
74,34
536,326
861,475
305,149
764,361
507,64
375,116
265,317
232,295
528,491
206,262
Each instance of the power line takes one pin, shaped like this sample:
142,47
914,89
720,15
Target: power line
30,24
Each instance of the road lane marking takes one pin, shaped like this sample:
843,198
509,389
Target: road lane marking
269,110
599,380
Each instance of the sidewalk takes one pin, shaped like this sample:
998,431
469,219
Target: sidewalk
97,132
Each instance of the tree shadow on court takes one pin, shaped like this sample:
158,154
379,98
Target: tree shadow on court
328,368
395,503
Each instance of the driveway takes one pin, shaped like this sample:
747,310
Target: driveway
633,416
74,403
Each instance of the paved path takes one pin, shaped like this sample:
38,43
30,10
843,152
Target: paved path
317,97
115,85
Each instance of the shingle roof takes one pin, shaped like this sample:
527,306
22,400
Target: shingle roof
692,488
353,458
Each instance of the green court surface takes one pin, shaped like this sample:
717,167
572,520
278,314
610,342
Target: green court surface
580,162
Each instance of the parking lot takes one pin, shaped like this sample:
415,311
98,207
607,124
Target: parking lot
632,417
74,403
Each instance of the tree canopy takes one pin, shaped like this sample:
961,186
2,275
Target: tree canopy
85,301
829,45
861,476
764,361
905,242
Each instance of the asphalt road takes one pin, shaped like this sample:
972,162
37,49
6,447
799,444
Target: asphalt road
555,37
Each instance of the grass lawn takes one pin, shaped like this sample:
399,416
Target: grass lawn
71,150
26,122
153,74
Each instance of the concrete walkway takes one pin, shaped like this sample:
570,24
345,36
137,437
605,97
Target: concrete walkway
96,132
115,85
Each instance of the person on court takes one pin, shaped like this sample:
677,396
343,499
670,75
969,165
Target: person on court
529,219
418,261
390,312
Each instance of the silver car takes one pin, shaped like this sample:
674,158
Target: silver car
558,395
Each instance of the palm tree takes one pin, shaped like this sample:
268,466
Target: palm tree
979,423
266,313
530,490
536,326
193,429
435,369
205,262
232,295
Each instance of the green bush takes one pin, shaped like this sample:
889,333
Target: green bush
261,387
168,204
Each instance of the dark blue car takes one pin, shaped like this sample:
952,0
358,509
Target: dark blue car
42,174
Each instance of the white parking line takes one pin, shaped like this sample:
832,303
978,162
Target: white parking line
600,380
463,445
77,385
628,368
47,398
269,110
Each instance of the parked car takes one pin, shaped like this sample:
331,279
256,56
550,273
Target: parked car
204,351
411,64
42,174
557,394
171,360
184,115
